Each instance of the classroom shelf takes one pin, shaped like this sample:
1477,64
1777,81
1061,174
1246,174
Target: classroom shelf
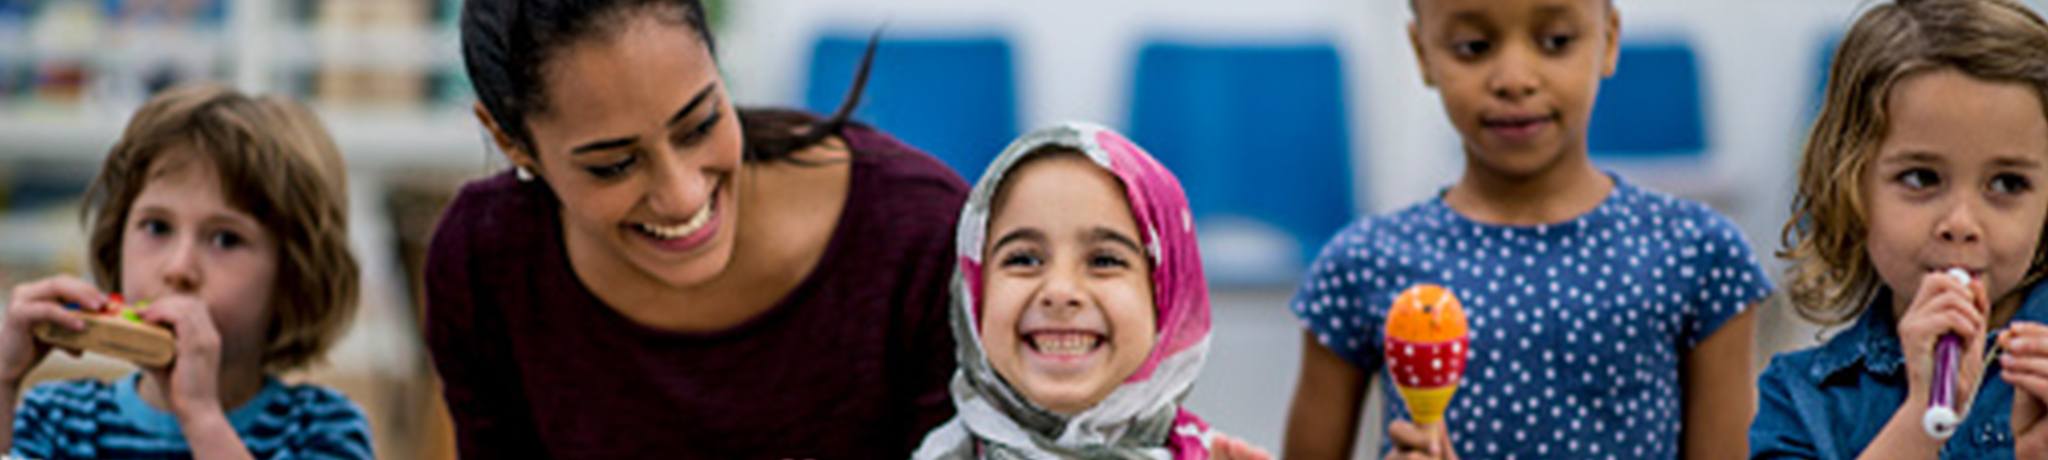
385,75
370,141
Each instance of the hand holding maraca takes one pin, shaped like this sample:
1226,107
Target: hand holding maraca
1413,442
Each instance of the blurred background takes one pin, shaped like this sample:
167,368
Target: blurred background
1285,119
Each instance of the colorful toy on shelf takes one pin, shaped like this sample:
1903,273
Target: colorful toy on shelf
1426,345
115,331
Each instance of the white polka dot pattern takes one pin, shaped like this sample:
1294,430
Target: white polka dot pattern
1577,327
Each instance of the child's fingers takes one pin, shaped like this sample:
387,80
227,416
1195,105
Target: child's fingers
1947,316
2023,346
190,323
2025,338
1940,295
1936,284
1943,301
1228,448
1963,324
2024,364
189,329
1953,313
158,314
1407,437
177,313
165,317
1443,440
1968,308
2032,383
1982,294
40,311
60,290
1409,455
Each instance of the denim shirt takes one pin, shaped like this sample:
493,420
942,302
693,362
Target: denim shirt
1829,402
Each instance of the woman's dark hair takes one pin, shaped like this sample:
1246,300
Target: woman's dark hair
507,43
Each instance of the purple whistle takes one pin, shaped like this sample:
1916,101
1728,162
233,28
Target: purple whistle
1941,418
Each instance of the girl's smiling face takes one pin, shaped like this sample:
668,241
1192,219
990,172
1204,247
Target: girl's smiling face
1956,182
1067,312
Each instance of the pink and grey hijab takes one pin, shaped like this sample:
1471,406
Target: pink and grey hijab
1141,418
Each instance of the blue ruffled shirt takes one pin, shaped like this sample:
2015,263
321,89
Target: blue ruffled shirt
1830,401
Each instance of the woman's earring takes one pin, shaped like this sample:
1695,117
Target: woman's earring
518,170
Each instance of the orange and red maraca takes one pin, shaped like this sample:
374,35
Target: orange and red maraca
1426,345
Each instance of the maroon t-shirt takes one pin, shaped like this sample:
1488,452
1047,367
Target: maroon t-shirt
853,363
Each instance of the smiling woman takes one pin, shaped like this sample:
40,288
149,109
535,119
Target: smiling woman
667,275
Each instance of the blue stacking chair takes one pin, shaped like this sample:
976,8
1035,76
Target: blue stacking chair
1258,134
955,98
212,11
1652,108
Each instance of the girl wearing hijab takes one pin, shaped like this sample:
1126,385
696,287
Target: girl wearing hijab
1079,308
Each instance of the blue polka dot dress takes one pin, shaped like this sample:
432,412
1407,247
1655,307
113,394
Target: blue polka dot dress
1577,327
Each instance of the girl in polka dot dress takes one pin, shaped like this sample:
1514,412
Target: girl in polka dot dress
1607,320
1927,157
